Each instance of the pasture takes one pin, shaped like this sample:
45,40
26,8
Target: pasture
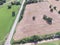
7,20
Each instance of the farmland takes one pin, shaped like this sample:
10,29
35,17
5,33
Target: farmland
29,27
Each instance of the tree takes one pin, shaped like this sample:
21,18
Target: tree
45,17
57,35
57,0
12,3
35,1
33,17
59,12
31,1
17,3
9,6
54,7
13,13
50,6
49,20
4,1
35,39
51,10
47,37
1,3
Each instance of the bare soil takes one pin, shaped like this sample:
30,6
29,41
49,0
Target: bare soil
28,27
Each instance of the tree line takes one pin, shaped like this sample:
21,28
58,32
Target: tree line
33,1
2,1
35,38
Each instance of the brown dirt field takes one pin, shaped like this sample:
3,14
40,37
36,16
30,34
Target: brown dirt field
28,27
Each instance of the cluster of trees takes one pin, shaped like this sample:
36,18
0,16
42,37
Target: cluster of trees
33,1
47,19
52,8
13,12
2,1
16,3
35,38
13,3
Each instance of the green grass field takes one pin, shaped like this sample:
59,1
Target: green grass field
51,43
6,20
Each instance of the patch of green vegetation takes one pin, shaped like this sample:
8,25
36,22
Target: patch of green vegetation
6,19
51,43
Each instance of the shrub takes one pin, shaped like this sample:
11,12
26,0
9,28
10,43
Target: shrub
17,3
57,35
50,6
45,17
4,1
33,17
9,6
1,3
23,41
57,0
31,1
49,20
54,7
34,38
46,37
13,13
51,10
35,1
58,12
12,3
